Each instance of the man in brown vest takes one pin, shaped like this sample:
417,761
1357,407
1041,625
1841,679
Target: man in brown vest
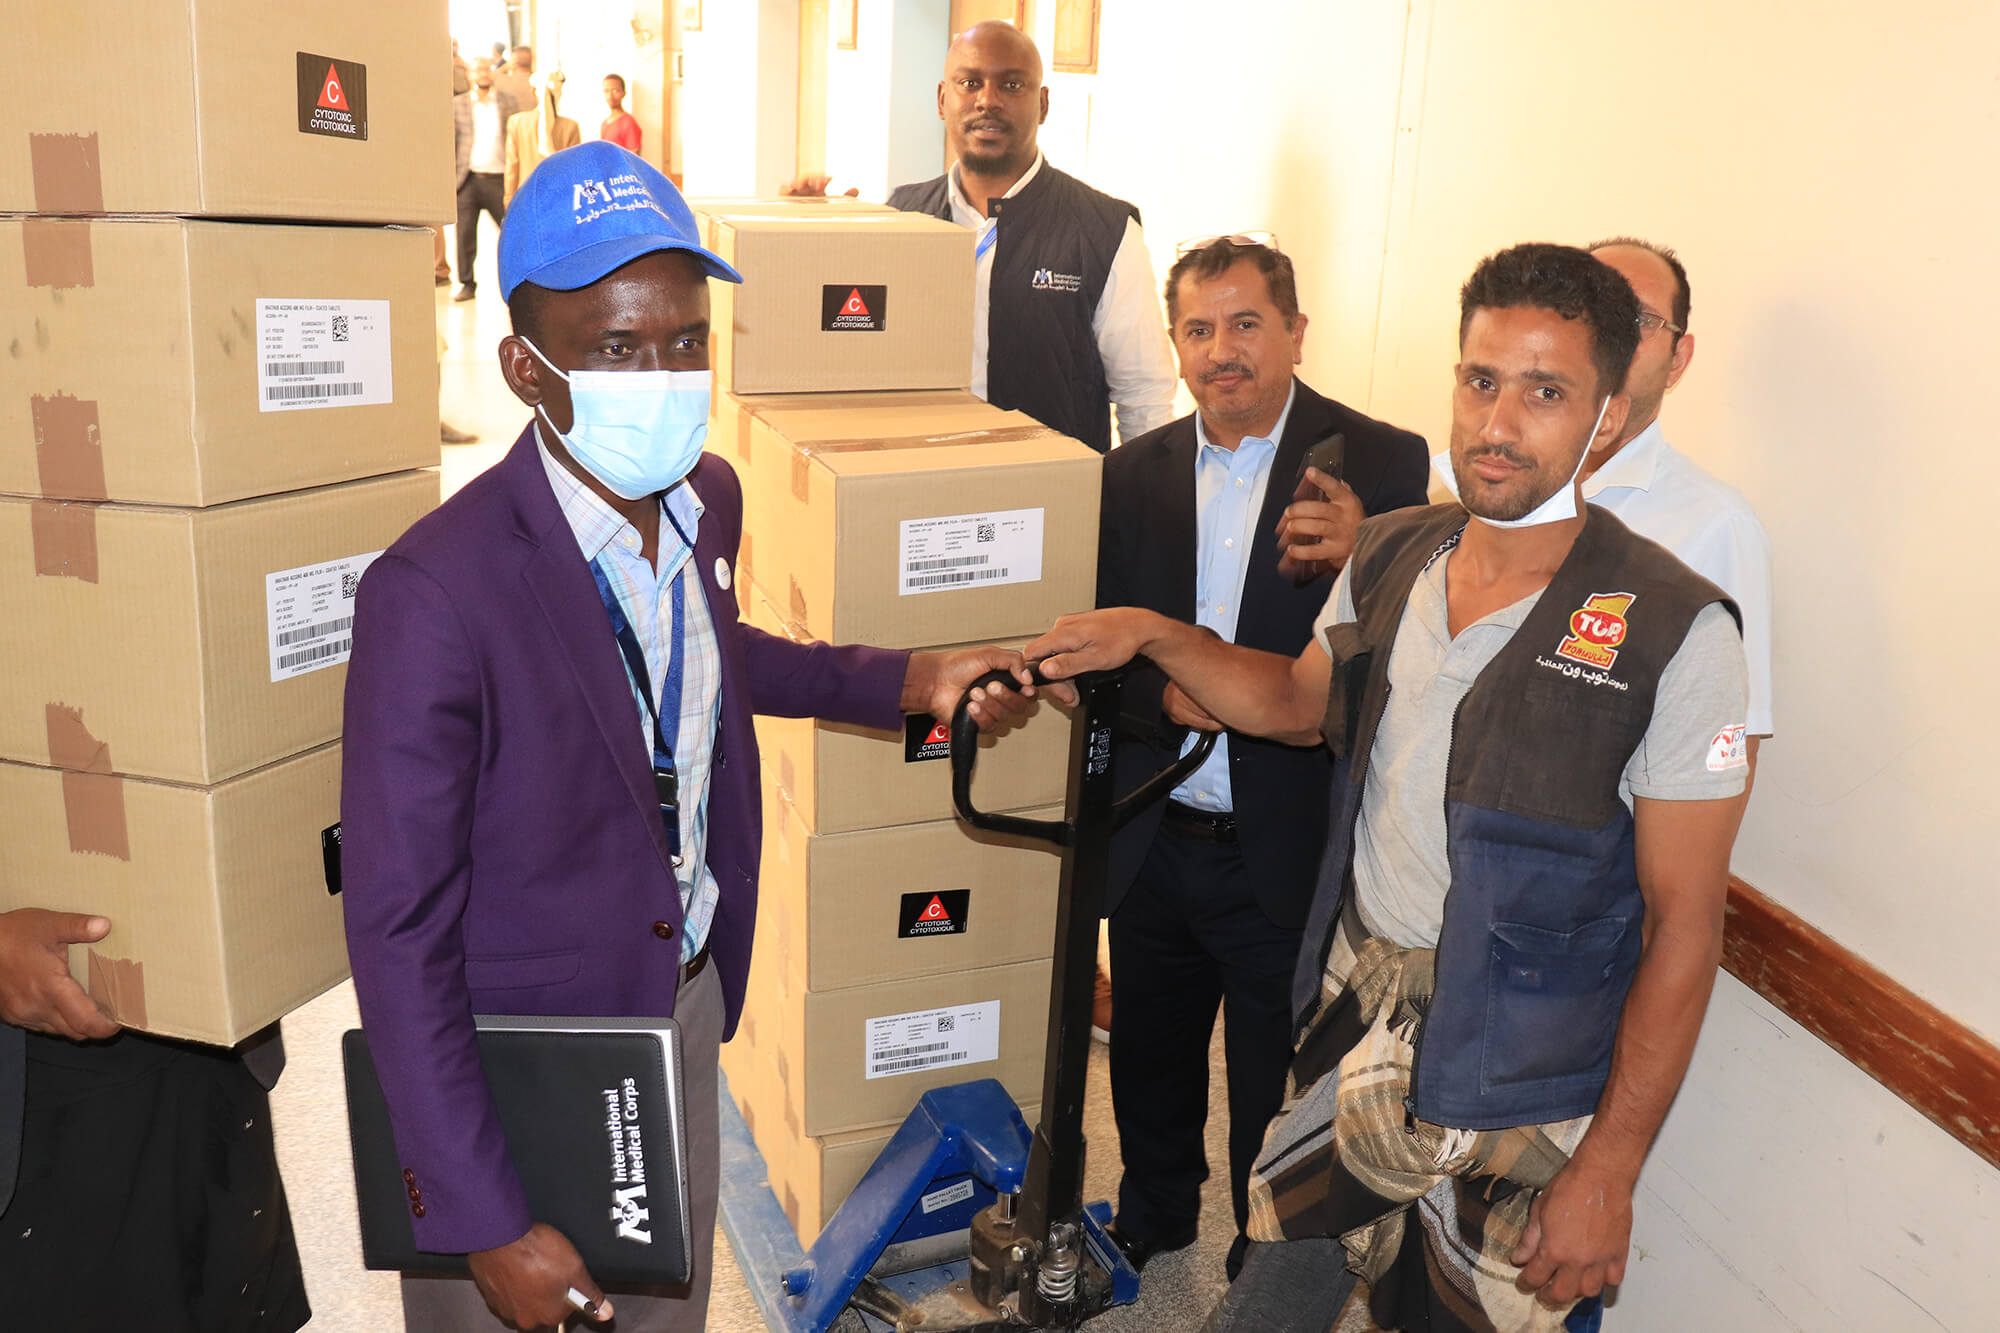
1538,722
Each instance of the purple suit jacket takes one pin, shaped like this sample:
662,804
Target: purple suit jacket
502,845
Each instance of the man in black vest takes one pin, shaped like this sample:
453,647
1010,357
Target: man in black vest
1209,891
1065,322
1537,718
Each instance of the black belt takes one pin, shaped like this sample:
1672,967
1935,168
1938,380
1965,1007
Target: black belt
1207,826
692,967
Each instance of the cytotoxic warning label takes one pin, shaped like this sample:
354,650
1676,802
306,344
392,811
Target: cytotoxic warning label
309,614
969,551
323,354
966,1034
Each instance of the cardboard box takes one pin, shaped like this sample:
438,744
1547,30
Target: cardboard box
186,644
221,916
839,778
193,363
229,108
906,520
708,211
1000,1021
918,900
843,301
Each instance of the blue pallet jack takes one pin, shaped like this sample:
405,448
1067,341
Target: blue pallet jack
963,1187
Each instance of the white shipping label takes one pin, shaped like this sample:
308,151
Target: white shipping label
309,614
970,551
966,1034
323,354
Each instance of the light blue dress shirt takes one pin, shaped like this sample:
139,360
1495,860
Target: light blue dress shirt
1228,497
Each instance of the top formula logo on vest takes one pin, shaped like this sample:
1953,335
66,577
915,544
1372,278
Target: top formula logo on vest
1048,280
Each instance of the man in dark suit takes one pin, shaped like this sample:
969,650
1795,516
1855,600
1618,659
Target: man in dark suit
550,796
139,1182
1209,520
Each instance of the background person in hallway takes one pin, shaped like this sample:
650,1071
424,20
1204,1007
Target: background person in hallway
619,127
536,134
481,148
516,77
1538,718
1065,323
505,848
1209,891
1662,493
139,1183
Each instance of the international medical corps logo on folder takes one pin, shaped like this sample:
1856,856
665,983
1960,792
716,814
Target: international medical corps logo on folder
853,307
333,97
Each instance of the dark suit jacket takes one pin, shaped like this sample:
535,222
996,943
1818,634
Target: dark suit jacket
1146,557
502,845
13,1075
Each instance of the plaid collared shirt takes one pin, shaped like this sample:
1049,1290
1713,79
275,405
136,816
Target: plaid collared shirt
646,598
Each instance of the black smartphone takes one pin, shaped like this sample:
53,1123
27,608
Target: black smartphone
1329,456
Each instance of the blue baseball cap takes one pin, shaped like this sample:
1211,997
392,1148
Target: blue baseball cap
588,210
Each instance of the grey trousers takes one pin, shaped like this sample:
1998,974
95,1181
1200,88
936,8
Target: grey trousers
454,1305
1291,1286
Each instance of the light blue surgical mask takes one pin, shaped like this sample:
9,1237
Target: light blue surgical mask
637,431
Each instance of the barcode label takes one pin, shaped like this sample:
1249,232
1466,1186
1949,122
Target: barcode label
314,354
285,638
956,579
289,393
319,652
938,555
309,614
931,1039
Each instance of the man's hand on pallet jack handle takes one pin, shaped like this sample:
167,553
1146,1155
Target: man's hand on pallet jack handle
1220,684
935,682
527,1283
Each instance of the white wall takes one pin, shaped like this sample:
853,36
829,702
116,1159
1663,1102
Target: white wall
739,104
882,128
1828,174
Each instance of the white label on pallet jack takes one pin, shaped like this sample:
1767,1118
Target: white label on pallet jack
947,1196
965,1034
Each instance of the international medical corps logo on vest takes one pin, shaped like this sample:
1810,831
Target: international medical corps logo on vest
1048,280
333,97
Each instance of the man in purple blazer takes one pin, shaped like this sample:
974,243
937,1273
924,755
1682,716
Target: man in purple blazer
551,793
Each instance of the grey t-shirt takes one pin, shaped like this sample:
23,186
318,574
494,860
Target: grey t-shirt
1693,749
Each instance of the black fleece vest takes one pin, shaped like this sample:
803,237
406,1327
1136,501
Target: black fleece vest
1542,918
1056,240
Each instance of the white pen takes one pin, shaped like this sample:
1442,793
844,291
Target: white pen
583,1303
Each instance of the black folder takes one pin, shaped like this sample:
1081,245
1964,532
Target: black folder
596,1126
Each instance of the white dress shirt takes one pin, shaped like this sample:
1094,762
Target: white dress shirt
1229,487
1130,331
489,135
1661,493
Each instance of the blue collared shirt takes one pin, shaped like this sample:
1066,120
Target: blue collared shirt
646,597
1229,491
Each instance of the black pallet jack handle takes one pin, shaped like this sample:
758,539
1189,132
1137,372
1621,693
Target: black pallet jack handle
1053,1188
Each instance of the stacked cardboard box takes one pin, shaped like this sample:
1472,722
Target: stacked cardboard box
897,950
217,426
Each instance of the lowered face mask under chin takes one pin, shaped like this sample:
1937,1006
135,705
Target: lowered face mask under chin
1560,506
637,431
